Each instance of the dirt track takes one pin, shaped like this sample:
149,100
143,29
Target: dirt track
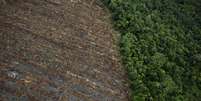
58,50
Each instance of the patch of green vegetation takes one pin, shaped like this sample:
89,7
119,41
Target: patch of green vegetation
161,47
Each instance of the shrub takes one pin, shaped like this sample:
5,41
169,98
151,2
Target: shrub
160,46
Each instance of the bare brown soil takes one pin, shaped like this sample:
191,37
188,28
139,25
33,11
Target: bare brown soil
58,50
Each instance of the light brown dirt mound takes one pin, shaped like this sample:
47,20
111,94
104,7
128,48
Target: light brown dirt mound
58,50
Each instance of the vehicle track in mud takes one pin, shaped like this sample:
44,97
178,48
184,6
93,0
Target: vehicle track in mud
59,50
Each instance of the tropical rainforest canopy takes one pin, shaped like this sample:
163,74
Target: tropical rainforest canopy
161,47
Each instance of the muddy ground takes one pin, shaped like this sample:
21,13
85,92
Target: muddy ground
59,50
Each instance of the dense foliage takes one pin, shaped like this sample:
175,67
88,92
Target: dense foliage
161,47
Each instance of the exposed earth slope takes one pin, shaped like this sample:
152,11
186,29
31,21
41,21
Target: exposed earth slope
58,50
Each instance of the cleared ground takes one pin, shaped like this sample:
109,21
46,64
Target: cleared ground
58,50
